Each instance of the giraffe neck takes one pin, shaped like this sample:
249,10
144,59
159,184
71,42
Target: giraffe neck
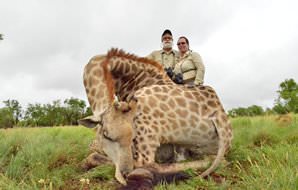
96,86
121,74
131,75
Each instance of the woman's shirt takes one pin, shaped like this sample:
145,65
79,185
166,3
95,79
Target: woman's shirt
192,68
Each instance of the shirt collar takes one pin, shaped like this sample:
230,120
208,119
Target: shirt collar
186,54
165,52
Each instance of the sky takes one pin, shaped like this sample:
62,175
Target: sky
248,47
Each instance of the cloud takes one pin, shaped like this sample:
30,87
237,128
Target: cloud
248,47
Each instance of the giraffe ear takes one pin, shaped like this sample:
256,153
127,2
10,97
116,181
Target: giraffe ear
132,108
90,121
121,106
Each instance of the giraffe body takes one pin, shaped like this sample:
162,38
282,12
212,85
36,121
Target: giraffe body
165,114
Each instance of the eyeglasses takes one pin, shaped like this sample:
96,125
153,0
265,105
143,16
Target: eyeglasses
167,38
181,43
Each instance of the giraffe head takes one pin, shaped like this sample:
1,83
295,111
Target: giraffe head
114,135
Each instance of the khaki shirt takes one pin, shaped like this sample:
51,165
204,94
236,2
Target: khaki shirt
166,59
192,67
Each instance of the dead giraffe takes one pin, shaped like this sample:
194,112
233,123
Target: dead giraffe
197,119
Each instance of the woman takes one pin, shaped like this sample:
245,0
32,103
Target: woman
189,68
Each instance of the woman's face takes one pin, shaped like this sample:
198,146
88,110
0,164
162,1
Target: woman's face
182,45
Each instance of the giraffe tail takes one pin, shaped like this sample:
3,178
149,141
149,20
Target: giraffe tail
221,149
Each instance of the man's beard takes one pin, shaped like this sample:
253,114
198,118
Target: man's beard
167,44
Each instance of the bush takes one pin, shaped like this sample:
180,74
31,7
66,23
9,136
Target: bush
6,118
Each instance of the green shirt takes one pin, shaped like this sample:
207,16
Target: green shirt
192,67
166,59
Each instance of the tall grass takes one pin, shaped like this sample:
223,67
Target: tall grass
264,156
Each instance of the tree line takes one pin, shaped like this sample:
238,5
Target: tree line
286,102
53,114
71,110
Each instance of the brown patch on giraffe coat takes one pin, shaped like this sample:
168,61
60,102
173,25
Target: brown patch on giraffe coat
174,93
174,124
95,81
158,113
97,72
171,138
196,133
148,92
182,113
205,136
212,103
94,106
155,128
185,131
203,126
166,127
164,107
134,67
93,91
165,89
193,106
157,89
152,101
204,109
181,102
146,109
224,118
200,98
90,82
171,114
206,94
90,66
171,103
202,87
97,58
182,123
188,95
144,147
161,97
162,140
177,133
193,123
85,82
163,122
127,69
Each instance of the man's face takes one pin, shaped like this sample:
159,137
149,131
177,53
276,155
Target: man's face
167,41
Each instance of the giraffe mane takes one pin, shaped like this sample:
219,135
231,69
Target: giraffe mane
115,52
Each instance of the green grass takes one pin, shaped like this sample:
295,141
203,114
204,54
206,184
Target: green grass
264,156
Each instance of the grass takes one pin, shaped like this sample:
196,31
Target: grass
264,156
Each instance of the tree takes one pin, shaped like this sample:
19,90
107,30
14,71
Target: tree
6,118
15,108
287,100
75,110
255,110
1,37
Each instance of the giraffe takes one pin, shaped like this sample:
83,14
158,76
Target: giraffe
131,132
120,74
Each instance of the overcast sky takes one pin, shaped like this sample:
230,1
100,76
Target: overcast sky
248,47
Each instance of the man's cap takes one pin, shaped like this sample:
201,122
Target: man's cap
167,31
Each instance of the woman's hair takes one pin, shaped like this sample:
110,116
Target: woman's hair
183,37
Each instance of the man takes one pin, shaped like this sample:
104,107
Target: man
166,56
